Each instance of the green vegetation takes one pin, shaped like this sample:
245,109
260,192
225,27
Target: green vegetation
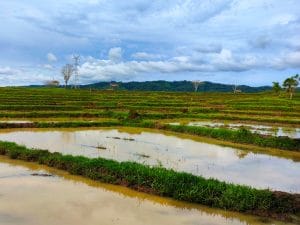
59,107
149,109
276,87
160,181
59,103
238,136
290,84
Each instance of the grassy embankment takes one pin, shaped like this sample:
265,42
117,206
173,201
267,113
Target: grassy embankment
163,182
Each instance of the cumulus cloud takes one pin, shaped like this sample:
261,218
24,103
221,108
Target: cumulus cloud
115,69
146,56
224,61
48,66
9,71
216,38
110,69
26,75
225,56
115,54
286,60
293,59
104,70
51,57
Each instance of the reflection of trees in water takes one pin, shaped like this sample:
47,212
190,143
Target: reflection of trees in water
241,154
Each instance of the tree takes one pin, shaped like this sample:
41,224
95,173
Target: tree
196,84
276,87
235,90
67,72
52,83
290,84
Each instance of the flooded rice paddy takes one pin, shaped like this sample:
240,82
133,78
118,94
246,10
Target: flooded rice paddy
66,199
170,151
15,121
277,131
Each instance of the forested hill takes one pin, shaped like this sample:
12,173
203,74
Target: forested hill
186,86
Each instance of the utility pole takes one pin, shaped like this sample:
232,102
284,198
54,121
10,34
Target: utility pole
76,59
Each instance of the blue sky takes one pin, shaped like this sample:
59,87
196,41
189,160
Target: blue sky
250,42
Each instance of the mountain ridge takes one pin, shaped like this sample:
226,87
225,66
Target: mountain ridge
179,86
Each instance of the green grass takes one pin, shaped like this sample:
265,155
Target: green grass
242,135
58,102
145,109
163,182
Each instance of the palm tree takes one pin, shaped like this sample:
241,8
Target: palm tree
290,84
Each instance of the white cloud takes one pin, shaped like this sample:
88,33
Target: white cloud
182,59
286,60
146,56
283,19
170,37
225,61
115,54
123,70
9,71
48,66
293,59
224,56
27,75
51,57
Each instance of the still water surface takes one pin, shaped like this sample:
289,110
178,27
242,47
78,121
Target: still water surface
181,154
277,131
66,199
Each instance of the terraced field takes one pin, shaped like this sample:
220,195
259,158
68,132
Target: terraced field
60,103
180,145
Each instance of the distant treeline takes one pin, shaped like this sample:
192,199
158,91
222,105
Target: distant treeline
184,86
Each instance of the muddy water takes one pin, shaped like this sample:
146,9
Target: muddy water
208,160
15,121
56,119
260,129
66,199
